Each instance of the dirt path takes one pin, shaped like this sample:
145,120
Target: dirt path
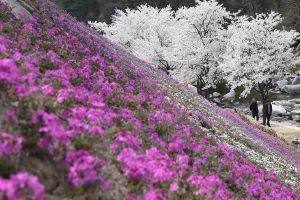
284,130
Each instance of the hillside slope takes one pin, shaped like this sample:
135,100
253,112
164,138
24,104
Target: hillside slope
81,118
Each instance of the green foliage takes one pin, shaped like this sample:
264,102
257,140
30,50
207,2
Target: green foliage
76,81
47,46
7,167
79,191
164,130
129,74
111,101
146,105
82,142
8,28
295,69
101,10
46,64
66,104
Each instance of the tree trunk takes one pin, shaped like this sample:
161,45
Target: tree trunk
206,93
199,86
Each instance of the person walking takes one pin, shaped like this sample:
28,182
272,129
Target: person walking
268,112
254,109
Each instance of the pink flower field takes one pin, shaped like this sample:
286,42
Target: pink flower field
80,120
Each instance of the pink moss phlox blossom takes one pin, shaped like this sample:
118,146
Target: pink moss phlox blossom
173,187
10,116
210,186
47,90
9,72
176,145
84,169
127,138
154,194
133,165
63,95
51,125
10,144
153,166
182,162
21,186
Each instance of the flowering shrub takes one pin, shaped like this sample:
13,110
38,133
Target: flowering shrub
21,186
84,169
10,144
76,99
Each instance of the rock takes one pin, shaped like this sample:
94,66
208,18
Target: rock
296,117
283,103
230,96
295,100
236,104
295,112
217,100
192,88
286,114
282,83
17,8
278,119
168,99
216,94
292,89
296,80
246,111
297,106
277,109
275,92
296,143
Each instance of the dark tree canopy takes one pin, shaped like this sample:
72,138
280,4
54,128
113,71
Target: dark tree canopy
101,10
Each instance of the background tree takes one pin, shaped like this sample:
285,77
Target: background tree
146,31
258,54
187,44
200,42
102,10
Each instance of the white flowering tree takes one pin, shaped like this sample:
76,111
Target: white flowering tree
200,42
258,54
188,43
146,31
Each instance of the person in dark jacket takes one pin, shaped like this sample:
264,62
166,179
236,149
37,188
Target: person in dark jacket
268,112
254,109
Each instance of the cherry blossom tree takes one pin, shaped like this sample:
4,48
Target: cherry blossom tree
188,43
258,54
146,31
200,42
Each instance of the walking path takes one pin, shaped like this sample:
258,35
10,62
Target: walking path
284,130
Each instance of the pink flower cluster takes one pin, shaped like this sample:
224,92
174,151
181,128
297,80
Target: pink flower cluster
151,167
10,144
84,169
21,186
